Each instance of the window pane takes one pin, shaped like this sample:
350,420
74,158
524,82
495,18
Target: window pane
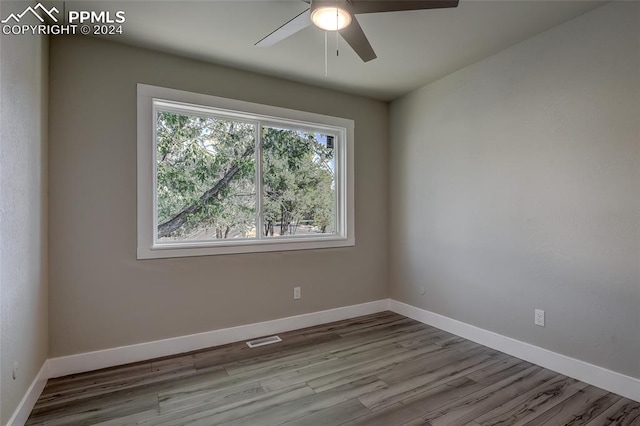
299,183
205,184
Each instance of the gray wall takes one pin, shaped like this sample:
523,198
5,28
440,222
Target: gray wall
515,185
23,210
101,296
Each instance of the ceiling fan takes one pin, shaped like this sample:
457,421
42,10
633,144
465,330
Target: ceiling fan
339,15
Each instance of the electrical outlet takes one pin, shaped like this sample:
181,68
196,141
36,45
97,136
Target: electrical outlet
14,373
539,317
297,293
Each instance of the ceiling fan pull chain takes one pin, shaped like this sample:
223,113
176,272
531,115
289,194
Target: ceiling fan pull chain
337,30
326,55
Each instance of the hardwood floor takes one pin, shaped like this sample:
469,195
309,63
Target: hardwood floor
381,369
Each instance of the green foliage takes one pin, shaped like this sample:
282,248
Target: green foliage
194,154
298,181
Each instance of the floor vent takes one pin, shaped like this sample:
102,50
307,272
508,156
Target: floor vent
264,341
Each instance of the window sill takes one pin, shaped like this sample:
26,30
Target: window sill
163,251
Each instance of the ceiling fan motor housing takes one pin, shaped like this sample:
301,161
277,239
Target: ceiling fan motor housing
340,4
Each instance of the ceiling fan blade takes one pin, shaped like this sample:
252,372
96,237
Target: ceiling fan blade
355,37
287,29
374,6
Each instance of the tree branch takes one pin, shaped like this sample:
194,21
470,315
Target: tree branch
170,226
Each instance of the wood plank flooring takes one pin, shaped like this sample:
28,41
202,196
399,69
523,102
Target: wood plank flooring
381,369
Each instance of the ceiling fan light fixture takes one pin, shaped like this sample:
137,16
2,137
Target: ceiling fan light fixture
330,18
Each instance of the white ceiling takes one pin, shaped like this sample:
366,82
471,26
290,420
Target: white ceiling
413,48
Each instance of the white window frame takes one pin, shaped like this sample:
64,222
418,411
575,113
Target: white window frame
341,128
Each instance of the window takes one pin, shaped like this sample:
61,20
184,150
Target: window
220,176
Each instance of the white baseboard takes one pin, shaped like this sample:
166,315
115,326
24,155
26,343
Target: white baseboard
621,384
30,397
89,361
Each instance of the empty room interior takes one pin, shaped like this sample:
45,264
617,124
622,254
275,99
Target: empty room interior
344,212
